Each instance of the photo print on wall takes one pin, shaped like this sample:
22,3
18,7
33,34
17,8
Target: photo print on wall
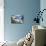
17,19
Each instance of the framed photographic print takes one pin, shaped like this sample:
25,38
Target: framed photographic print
18,19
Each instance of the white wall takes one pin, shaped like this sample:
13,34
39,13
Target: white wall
1,20
43,6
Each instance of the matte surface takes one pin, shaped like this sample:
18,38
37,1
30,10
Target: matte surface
28,8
